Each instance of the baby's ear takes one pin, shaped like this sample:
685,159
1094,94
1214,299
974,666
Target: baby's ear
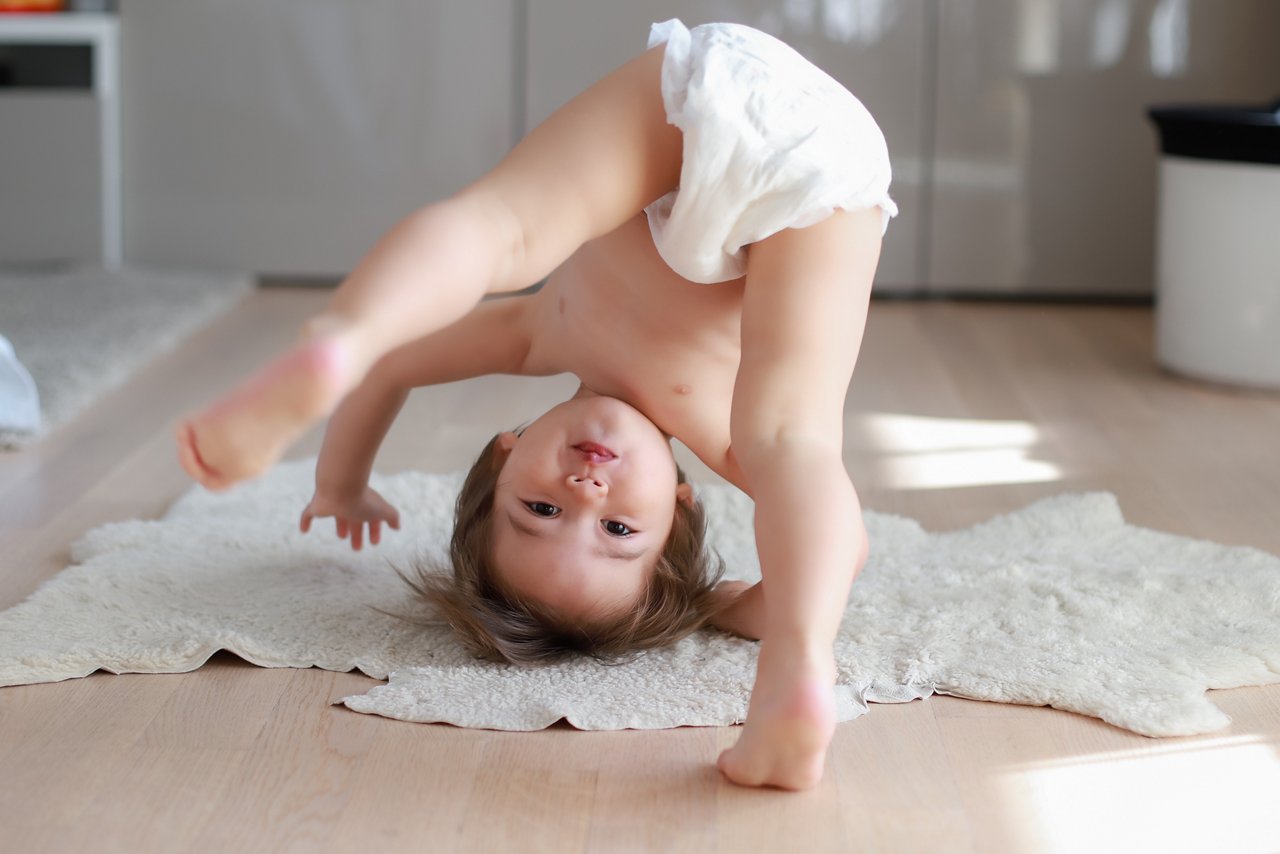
502,445
684,494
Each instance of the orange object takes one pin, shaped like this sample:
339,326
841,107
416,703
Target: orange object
28,6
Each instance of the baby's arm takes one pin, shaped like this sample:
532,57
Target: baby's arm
493,338
351,441
803,314
739,609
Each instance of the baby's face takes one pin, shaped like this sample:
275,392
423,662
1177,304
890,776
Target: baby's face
583,506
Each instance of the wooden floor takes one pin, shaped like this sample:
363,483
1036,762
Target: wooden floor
957,412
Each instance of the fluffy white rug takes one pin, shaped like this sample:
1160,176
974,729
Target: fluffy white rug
1061,603
81,331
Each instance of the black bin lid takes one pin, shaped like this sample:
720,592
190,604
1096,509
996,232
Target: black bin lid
1242,134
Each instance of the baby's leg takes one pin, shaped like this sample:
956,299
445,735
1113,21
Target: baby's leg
592,165
804,308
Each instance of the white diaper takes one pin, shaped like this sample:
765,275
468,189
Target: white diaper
770,142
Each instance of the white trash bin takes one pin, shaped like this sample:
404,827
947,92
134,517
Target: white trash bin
1218,244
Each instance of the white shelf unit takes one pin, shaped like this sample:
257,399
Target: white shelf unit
101,33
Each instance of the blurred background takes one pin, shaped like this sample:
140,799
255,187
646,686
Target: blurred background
283,138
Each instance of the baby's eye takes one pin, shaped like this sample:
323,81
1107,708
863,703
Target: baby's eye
543,509
617,529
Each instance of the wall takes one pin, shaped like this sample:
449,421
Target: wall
286,137
1044,169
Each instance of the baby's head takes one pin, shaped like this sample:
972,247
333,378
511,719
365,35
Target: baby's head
578,534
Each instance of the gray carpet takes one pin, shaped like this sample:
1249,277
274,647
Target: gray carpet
82,331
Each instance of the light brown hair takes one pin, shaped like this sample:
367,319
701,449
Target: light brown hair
496,623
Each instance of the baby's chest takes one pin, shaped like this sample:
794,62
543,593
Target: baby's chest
628,326
682,379
620,307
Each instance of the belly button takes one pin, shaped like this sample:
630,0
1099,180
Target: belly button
684,389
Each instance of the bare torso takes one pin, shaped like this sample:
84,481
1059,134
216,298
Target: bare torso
615,315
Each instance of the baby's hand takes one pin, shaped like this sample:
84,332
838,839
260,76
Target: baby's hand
739,609
350,515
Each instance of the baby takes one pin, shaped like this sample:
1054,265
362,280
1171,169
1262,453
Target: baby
709,218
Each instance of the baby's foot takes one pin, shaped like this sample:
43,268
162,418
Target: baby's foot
789,725
245,432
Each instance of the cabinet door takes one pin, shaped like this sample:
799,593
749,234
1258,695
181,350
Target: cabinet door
873,47
286,137
1045,174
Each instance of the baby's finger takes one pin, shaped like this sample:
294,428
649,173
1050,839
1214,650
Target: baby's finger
342,527
357,536
375,532
394,521
305,523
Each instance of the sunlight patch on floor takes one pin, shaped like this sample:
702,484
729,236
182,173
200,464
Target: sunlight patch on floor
926,452
1216,795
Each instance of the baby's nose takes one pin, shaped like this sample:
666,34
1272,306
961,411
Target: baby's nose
587,485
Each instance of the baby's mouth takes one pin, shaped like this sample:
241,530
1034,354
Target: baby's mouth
594,452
